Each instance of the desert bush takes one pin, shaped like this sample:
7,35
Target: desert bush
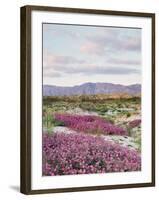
134,123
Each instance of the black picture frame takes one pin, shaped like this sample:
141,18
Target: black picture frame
25,154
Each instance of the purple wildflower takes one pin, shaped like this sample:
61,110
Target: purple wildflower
135,123
84,154
90,124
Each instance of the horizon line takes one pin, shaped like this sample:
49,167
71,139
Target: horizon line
92,83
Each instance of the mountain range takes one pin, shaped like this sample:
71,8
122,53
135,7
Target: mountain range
91,88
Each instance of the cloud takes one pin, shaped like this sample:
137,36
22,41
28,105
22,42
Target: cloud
51,74
124,61
60,66
121,43
61,70
61,30
92,48
96,40
51,60
80,53
112,40
130,44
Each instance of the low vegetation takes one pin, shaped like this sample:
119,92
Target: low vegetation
84,154
101,125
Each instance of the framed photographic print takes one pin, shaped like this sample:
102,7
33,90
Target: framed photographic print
87,99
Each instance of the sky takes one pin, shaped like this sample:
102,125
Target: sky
74,54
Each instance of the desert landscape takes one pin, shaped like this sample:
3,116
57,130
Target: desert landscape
91,99
91,128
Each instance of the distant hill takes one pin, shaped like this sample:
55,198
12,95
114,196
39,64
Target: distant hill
91,88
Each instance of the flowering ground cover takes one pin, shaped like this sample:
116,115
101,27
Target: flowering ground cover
84,154
135,123
92,135
89,124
